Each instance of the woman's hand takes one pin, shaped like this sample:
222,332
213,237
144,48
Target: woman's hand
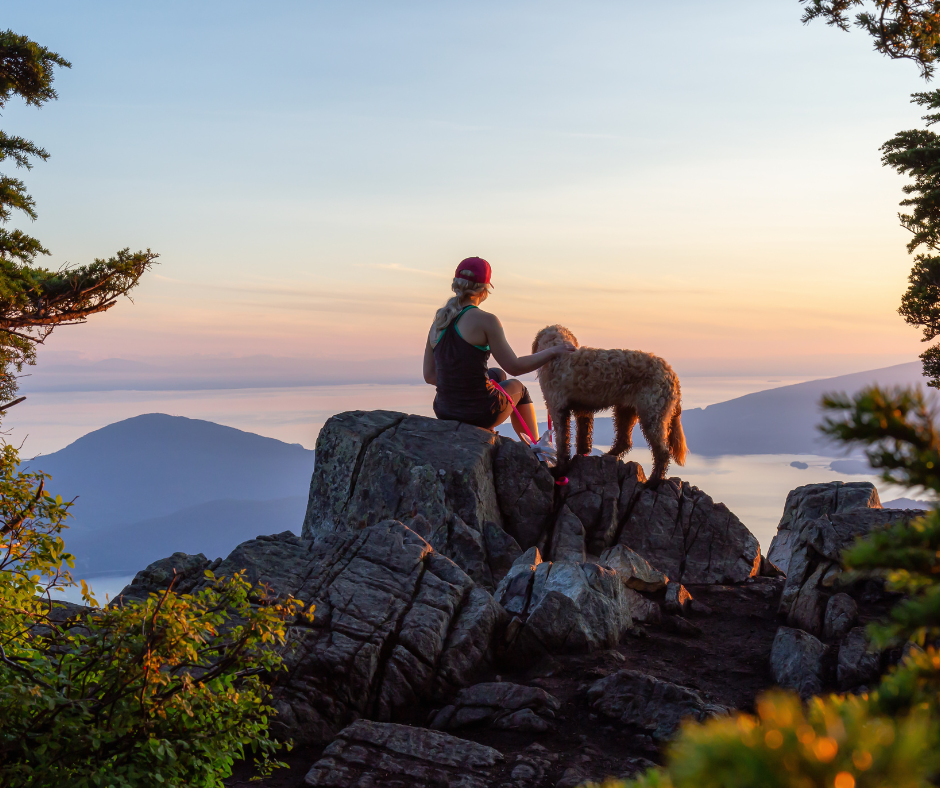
561,350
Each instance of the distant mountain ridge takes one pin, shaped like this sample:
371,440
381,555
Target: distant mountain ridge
211,528
153,465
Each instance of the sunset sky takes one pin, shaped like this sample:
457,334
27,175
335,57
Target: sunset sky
699,180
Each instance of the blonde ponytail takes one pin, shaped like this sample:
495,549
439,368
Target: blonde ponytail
462,287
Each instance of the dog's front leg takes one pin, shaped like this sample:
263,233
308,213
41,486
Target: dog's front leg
585,422
562,422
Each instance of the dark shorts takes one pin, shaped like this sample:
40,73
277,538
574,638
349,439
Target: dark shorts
486,409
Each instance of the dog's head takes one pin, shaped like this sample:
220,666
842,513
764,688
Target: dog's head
553,335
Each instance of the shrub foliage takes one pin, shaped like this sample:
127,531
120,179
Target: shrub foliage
168,691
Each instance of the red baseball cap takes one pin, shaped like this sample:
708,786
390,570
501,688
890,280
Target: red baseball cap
479,270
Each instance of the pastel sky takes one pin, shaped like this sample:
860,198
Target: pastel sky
699,180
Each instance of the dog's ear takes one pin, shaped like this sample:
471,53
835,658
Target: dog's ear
538,338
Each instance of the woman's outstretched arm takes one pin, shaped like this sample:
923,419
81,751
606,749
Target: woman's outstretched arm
507,359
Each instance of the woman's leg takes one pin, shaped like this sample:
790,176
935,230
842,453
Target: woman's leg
517,390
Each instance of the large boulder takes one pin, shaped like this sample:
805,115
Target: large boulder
500,704
634,698
379,465
396,624
858,662
796,661
682,532
812,501
525,492
460,486
600,491
562,606
368,754
815,561
676,527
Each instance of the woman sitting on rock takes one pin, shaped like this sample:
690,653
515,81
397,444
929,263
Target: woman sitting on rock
456,358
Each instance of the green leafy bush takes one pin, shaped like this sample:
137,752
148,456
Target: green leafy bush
168,691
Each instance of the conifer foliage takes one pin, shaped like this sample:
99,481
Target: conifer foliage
34,299
901,29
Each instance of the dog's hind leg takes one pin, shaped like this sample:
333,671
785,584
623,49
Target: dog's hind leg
585,423
624,421
656,438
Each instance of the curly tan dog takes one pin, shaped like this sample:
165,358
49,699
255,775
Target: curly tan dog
636,385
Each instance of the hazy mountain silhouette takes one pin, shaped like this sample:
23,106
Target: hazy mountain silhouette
154,465
212,528
776,421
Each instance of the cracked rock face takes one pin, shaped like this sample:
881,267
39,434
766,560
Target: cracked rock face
633,569
857,663
682,532
810,502
815,564
796,661
475,496
369,754
501,704
634,698
395,624
379,465
562,606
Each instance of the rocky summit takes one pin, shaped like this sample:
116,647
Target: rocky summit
478,625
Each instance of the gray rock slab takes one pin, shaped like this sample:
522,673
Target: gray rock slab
438,475
567,538
525,493
634,698
841,615
858,663
395,624
816,548
633,569
812,501
682,532
796,661
593,495
562,607
502,704
370,754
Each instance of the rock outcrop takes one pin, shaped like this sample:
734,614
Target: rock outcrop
796,661
460,486
561,606
396,624
810,502
638,699
477,625
501,704
815,567
403,756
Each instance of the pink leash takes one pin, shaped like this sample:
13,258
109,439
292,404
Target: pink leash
559,482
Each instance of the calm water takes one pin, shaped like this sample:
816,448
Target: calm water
48,421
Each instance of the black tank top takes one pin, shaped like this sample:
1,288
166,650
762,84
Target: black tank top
462,391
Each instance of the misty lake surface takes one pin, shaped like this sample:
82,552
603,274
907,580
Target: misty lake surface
754,487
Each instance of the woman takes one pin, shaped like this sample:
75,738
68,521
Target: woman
460,342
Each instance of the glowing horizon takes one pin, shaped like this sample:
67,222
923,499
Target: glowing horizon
719,202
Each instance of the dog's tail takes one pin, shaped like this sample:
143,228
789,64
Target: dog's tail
677,446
